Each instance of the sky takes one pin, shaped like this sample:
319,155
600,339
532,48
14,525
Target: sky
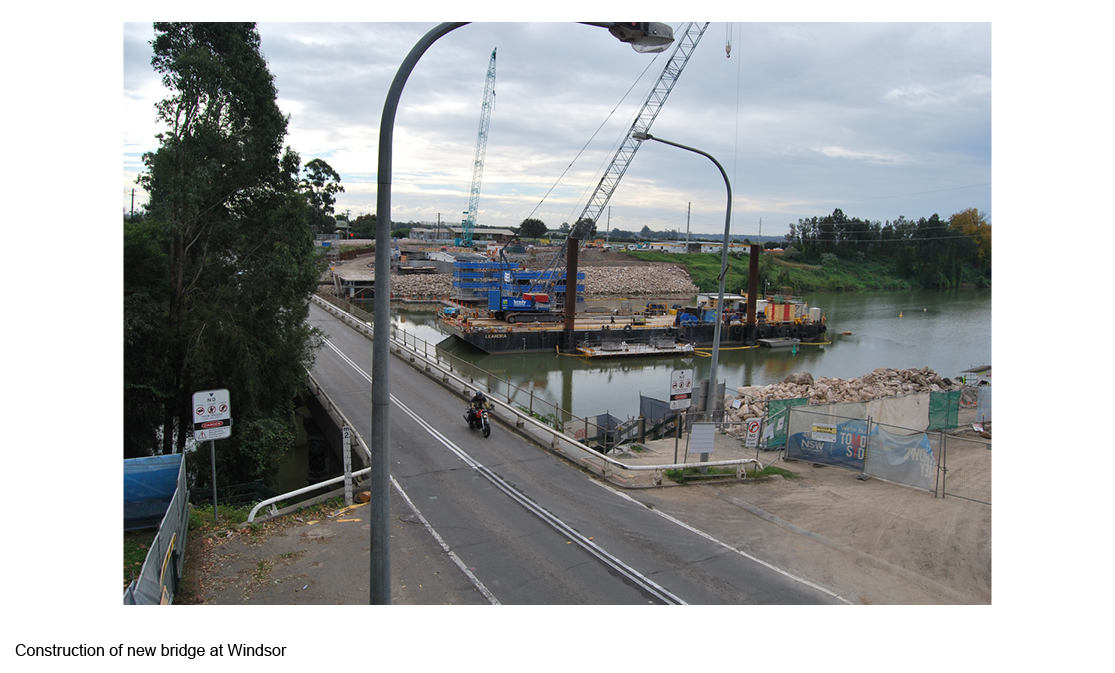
880,120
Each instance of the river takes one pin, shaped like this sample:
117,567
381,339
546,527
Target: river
947,331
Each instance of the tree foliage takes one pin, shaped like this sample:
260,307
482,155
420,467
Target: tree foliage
320,184
364,226
931,252
532,228
217,280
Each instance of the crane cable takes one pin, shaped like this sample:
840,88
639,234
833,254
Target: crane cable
589,141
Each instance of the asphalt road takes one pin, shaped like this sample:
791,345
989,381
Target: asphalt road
528,527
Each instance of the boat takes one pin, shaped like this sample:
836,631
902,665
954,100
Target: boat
781,342
623,348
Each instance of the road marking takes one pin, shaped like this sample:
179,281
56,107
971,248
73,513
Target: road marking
710,538
582,541
452,554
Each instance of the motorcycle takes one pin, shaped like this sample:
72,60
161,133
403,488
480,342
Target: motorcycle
477,417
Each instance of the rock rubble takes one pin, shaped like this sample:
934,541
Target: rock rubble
648,281
422,286
623,281
880,383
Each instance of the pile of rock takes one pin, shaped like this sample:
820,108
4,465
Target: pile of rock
880,383
623,281
422,285
651,281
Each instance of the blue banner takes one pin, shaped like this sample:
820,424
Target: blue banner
840,445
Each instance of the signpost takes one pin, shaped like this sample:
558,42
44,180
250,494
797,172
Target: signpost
681,389
212,421
346,443
681,397
754,425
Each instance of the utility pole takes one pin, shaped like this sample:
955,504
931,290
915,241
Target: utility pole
687,207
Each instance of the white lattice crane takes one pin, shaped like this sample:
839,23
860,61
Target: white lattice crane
685,44
469,223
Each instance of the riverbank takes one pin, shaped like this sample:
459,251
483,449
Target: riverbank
777,269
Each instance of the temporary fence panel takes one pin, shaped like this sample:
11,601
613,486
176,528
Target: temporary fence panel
826,439
162,569
901,411
778,419
983,406
967,469
901,457
944,410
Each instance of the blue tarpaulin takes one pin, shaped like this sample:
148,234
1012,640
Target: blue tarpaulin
149,485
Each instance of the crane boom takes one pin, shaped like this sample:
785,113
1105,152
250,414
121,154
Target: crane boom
469,223
626,152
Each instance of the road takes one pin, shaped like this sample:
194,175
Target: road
528,527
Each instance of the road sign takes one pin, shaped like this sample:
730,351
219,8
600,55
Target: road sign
681,389
212,420
753,427
212,415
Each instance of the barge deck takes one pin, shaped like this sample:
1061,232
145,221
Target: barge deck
497,336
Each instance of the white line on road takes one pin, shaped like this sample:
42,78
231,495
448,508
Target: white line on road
723,544
594,549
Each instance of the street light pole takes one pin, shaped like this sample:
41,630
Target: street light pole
711,402
646,38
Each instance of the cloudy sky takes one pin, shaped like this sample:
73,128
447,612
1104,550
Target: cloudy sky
880,120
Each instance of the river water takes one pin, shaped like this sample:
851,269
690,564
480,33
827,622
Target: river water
948,331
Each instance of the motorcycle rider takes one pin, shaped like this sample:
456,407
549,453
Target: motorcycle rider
478,402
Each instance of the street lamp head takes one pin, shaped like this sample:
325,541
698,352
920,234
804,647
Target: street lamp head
644,37
641,136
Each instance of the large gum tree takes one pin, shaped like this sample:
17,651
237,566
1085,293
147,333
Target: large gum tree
228,300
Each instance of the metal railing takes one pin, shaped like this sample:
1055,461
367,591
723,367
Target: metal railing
330,405
560,428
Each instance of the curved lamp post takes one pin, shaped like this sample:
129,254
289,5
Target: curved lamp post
643,37
711,402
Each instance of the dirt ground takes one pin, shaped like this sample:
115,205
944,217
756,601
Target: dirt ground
873,542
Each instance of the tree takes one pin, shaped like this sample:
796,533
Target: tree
364,226
584,229
532,228
320,184
229,301
974,224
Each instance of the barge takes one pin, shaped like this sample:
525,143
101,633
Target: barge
781,319
517,310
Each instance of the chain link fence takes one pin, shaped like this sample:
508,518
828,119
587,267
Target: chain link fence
934,461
